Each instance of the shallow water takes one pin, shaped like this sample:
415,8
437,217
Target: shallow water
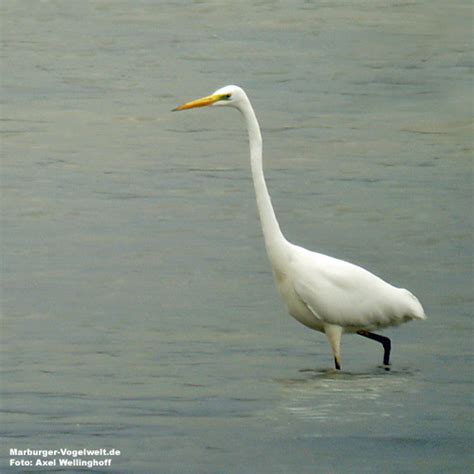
138,307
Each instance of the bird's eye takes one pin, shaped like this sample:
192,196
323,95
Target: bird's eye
227,96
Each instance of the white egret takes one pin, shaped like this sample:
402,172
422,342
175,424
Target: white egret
323,293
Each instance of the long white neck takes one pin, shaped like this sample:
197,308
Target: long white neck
274,239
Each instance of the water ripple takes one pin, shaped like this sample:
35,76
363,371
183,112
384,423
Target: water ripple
344,397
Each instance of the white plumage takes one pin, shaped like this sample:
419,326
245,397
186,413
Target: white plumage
323,293
338,292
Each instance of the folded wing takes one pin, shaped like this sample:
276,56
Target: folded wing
341,293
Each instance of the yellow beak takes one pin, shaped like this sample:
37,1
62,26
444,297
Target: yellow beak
203,102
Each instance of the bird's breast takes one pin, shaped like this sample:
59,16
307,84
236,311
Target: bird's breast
295,306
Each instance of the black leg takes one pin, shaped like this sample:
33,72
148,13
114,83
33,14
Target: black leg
337,363
385,341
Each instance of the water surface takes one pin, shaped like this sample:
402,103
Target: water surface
138,309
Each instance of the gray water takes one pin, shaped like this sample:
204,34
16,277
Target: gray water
139,311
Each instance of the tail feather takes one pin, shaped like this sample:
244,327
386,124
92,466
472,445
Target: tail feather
416,310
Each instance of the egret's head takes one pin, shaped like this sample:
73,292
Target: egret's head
228,95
